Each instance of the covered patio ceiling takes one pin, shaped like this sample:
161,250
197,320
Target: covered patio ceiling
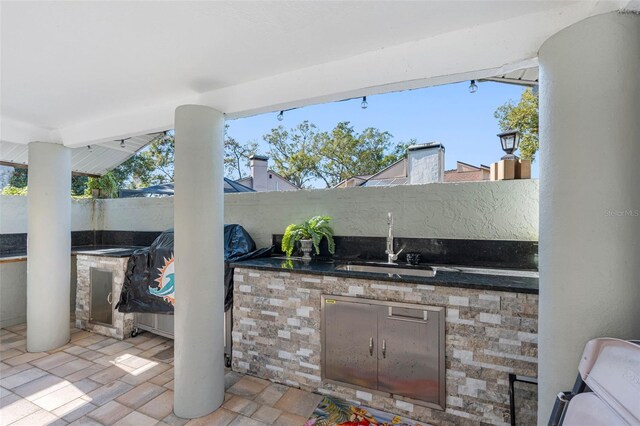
83,73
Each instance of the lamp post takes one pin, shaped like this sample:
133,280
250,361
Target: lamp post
509,141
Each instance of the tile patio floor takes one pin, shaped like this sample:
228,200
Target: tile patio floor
96,380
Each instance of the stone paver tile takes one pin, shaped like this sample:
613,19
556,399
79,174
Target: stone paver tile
145,373
9,353
40,387
102,344
169,385
131,359
21,378
4,392
241,405
40,417
115,348
246,421
53,361
159,407
299,402
59,397
174,420
140,395
90,355
136,419
86,385
82,374
86,421
8,370
220,417
231,378
271,394
91,340
72,411
71,367
110,413
290,419
75,350
106,393
267,414
150,353
107,375
13,408
25,357
151,343
79,335
248,386
140,338
163,378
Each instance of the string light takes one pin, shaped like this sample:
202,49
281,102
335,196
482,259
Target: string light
473,87
281,116
122,145
364,104
89,148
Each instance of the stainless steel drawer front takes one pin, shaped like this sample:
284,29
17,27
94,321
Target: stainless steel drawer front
351,355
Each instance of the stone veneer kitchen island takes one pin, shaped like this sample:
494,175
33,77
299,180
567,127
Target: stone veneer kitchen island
491,331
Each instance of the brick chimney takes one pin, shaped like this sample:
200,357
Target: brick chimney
259,174
425,163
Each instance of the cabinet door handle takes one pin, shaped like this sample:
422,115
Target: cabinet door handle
371,346
384,348
109,301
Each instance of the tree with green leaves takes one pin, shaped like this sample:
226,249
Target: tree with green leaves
293,152
522,117
236,155
344,153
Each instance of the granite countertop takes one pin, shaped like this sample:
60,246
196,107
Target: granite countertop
106,251
517,281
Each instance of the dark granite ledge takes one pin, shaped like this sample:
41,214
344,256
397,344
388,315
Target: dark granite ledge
105,251
514,284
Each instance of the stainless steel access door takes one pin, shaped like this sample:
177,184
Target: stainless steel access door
101,296
410,353
349,342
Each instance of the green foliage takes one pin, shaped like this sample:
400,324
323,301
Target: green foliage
313,229
12,190
236,155
79,185
19,178
151,166
293,153
302,153
522,117
106,186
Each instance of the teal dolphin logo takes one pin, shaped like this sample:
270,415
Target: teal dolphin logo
166,282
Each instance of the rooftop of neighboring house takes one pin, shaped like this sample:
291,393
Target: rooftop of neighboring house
263,179
465,172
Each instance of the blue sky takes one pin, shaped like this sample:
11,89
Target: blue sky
449,114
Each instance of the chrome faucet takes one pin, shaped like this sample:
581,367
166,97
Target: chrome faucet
391,256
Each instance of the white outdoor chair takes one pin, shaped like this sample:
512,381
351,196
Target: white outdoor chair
607,390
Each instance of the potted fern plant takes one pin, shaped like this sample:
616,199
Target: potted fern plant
309,233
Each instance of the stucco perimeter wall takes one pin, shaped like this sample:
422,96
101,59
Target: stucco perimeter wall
506,210
13,214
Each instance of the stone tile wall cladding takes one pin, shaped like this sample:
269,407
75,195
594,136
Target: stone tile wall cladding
122,323
489,334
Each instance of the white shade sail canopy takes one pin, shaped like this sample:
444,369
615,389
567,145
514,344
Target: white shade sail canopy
81,73
93,160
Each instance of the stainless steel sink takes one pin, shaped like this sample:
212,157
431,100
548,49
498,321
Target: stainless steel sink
389,270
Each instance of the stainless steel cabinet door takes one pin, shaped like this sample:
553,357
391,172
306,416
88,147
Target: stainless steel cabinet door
408,353
350,334
101,297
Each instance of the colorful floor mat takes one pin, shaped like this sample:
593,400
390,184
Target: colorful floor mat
338,412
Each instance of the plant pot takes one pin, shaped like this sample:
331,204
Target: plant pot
306,246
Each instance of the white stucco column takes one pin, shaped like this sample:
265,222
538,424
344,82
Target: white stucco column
199,260
48,246
589,194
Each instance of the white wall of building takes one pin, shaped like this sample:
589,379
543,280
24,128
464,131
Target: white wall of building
13,214
506,210
13,293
